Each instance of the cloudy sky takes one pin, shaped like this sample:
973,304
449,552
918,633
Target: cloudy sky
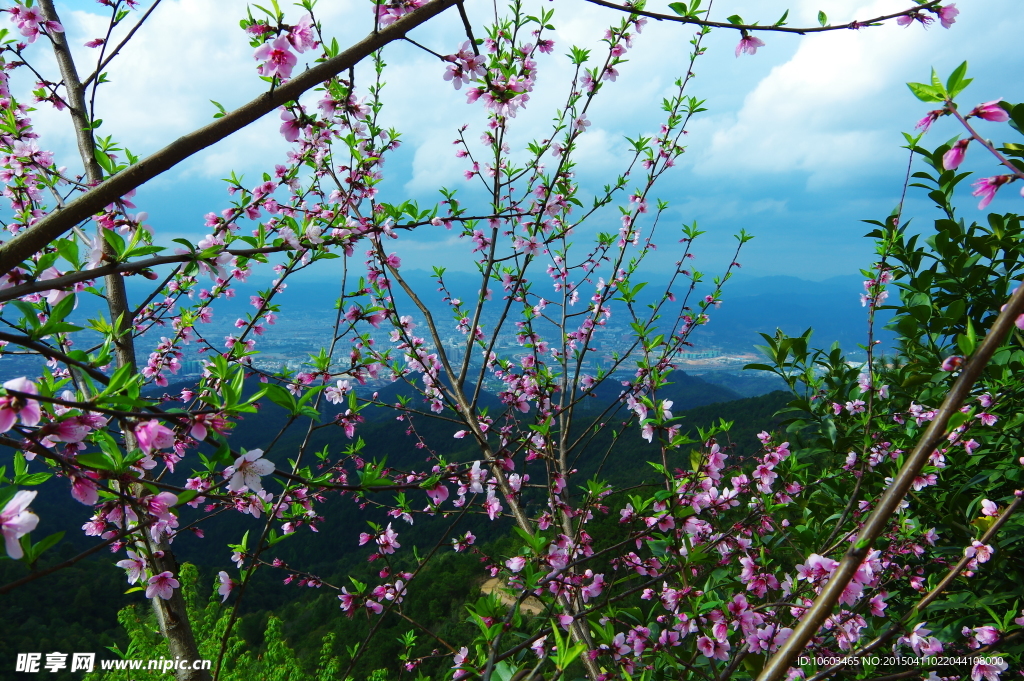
800,141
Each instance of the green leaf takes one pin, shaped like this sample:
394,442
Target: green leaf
679,8
926,93
32,479
281,397
68,250
97,460
966,344
46,543
957,83
822,19
220,110
957,420
115,241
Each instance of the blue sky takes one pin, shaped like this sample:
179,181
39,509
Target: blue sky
800,142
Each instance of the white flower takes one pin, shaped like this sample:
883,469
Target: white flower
16,521
248,469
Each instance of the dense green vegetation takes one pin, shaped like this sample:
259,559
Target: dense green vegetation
289,624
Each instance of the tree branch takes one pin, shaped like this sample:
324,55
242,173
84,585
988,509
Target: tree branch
755,27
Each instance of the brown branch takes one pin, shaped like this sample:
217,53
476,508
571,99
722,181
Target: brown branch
121,267
47,351
755,27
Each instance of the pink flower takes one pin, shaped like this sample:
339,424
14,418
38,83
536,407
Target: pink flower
16,521
816,568
290,127
594,589
85,491
989,508
277,58
135,565
991,111
748,44
438,493
930,118
162,586
920,641
390,13
30,20
302,36
952,159
713,649
878,604
947,16
13,407
226,585
347,600
476,478
981,552
983,636
515,564
388,541
492,505
203,423
987,188
153,435
989,672
248,470
459,659
913,16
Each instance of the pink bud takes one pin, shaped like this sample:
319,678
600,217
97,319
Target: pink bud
952,159
991,111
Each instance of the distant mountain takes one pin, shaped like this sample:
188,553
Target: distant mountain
832,307
750,306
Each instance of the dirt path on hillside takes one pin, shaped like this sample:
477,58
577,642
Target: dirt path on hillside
531,606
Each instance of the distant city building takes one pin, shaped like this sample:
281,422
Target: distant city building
701,354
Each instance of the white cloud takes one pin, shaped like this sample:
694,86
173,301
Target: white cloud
820,109
187,53
835,109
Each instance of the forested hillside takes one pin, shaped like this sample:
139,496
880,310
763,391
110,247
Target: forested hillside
307,615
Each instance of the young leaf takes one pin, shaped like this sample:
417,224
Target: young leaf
957,81
926,93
